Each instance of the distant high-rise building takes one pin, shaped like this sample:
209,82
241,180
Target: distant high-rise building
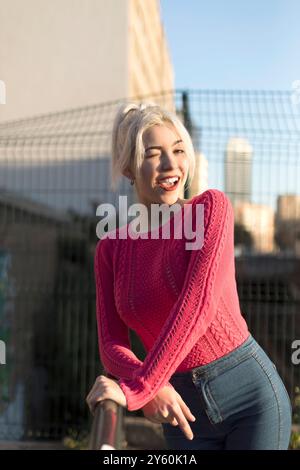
200,180
238,170
288,222
288,207
258,220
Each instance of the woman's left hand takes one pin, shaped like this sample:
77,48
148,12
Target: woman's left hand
105,388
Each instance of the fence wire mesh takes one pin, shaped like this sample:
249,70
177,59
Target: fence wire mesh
55,171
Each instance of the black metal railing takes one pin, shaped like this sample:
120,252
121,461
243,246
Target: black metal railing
107,426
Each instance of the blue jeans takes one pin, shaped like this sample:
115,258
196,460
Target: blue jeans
239,402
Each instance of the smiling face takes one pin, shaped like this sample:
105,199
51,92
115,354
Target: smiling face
164,156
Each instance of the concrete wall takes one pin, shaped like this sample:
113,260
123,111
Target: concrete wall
62,53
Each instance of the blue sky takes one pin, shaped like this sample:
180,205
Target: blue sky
233,43
238,45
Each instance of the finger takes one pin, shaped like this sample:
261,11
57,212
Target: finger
169,418
93,403
88,400
186,410
164,414
173,422
90,394
183,424
90,405
160,417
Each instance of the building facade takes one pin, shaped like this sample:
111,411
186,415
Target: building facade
63,54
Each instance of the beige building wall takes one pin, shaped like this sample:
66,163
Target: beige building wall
288,207
238,170
62,54
288,221
150,68
200,181
258,219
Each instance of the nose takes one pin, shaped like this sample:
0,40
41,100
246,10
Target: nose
168,161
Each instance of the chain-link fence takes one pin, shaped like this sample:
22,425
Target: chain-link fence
55,171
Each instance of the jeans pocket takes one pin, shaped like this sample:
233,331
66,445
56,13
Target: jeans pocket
210,406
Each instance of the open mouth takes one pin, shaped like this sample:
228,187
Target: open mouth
169,184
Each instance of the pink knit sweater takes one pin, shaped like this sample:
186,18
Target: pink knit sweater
183,304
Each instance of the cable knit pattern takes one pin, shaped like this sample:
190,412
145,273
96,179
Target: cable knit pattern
183,304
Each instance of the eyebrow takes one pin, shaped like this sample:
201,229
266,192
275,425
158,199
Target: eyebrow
159,147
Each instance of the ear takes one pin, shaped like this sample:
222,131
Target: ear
128,174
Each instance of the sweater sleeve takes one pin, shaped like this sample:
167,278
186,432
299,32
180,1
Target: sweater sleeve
197,303
113,335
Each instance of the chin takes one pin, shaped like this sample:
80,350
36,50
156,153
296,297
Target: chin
170,197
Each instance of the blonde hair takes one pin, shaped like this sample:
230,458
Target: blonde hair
127,145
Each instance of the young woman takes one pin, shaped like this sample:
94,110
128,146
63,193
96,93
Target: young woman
204,378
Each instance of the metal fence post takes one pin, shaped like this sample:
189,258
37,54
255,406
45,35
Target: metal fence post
187,121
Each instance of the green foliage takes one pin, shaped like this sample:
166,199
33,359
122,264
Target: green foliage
295,436
295,441
296,407
75,440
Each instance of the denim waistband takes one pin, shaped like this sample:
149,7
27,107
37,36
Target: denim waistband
230,359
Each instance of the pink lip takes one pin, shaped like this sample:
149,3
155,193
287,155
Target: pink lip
170,189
